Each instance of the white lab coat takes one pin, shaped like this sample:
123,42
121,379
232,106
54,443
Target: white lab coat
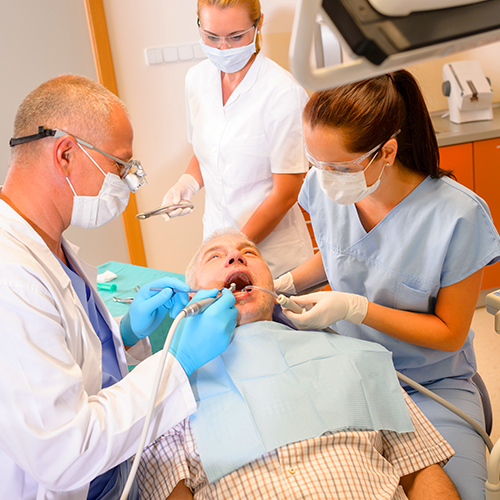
241,144
58,429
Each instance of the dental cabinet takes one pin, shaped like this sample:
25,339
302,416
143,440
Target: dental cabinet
472,151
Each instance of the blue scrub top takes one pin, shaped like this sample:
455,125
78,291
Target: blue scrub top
438,235
102,486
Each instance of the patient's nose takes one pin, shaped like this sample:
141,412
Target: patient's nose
235,257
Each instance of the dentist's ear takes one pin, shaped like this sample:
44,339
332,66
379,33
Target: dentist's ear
62,154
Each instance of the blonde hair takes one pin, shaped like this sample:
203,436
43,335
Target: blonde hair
73,103
252,7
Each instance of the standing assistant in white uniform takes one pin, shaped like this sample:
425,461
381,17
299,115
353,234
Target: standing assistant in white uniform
244,139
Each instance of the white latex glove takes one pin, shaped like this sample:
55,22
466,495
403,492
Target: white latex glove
183,189
328,308
284,284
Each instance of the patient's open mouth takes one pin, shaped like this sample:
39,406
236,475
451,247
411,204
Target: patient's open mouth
240,279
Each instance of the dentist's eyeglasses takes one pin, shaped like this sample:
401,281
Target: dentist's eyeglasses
129,171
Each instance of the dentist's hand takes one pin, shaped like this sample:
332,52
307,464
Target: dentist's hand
328,308
183,189
201,338
149,308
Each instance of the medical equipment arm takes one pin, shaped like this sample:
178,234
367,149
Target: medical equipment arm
274,207
149,308
329,307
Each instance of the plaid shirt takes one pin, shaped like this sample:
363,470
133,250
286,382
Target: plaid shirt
343,465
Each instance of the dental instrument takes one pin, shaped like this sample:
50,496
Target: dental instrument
124,300
283,301
191,290
191,309
167,209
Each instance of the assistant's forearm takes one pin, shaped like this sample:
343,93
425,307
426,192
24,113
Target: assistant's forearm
274,207
265,219
310,273
426,330
194,169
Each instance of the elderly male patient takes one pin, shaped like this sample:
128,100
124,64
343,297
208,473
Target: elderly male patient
291,414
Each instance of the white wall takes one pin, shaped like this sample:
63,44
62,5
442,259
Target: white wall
42,39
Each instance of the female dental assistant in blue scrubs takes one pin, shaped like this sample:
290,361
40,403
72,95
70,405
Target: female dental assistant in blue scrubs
403,247
245,124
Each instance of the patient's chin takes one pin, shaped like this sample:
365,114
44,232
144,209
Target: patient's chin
250,313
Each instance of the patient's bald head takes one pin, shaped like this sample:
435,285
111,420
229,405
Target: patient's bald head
230,257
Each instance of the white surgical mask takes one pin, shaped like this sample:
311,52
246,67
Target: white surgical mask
344,188
229,60
95,211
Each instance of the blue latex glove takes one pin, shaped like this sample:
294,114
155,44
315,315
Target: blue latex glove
149,308
203,337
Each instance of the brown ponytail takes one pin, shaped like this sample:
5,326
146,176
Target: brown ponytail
372,111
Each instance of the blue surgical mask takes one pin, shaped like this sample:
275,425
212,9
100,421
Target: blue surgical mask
229,60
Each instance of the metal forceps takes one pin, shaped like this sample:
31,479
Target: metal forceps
167,209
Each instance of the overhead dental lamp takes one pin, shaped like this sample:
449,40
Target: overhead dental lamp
380,36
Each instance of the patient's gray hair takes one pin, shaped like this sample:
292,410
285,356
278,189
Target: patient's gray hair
191,268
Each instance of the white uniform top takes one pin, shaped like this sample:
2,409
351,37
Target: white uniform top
58,429
239,145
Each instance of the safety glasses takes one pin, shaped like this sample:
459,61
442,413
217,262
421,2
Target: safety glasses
133,167
345,167
236,40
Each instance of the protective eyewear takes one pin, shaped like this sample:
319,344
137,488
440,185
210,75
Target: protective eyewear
129,171
344,167
347,167
232,41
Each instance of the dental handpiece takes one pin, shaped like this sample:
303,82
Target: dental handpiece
283,301
198,307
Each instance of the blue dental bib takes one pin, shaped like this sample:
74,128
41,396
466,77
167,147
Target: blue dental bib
274,386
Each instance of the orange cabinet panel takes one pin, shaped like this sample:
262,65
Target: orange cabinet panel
487,186
459,158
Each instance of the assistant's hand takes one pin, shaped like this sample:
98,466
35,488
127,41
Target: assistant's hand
285,285
183,189
149,308
203,337
328,308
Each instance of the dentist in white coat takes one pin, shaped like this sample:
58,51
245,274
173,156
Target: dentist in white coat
72,415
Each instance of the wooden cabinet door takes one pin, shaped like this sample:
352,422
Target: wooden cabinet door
459,158
487,186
